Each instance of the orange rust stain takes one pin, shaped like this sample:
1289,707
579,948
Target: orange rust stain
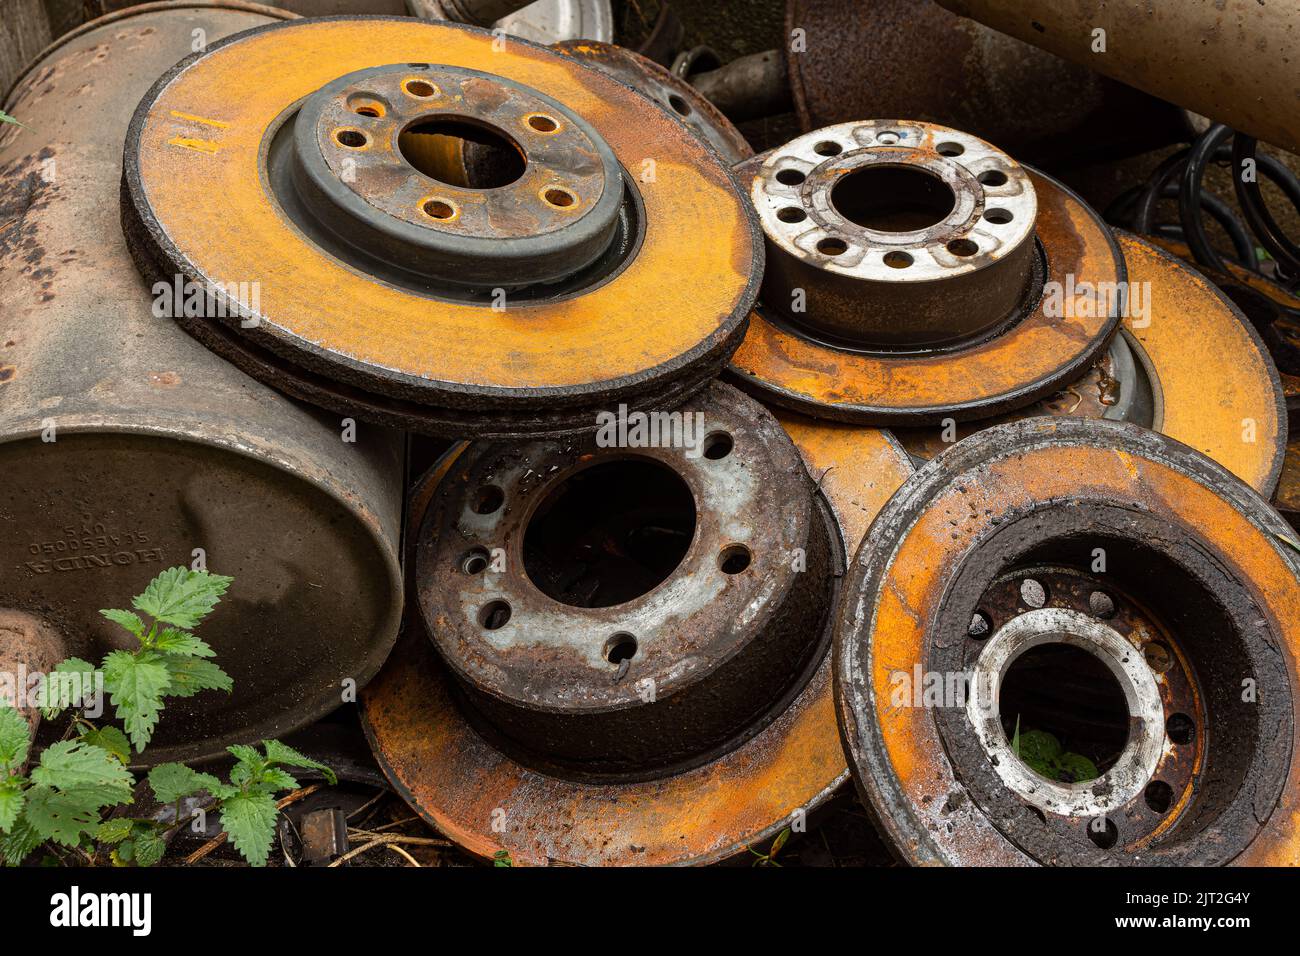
1218,394
691,272
934,546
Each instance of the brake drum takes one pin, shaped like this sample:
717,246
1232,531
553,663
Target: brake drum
126,447
469,246
1098,583
618,655
909,273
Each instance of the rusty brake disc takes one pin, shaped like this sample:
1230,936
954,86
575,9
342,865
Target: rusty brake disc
1186,363
909,277
1085,591
438,246
627,665
668,90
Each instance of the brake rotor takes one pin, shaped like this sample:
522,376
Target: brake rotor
667,89
561,715
1089,592
910,273
1186,364
499,249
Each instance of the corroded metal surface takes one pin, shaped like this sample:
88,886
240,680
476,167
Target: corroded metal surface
1229,60
893,235
542,360
668,90
488,802
1195,551
125,445
614,611
1199,373
913,58
1052,341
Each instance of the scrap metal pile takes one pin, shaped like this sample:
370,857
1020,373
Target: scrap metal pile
875,454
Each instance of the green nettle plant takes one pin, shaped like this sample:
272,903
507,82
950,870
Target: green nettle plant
60,802
6,118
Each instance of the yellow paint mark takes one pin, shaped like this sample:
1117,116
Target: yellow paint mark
200,119
198,145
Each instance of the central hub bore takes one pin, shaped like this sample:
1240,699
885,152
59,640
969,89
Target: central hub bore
461,176
628,608
899,236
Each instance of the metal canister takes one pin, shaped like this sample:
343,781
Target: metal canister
126,447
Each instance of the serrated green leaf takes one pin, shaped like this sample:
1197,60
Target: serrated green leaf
114,830
93,775
277,779
110,739
67,685
136,683
182,597
249,818
126,619
173,781
150,845
190,675
277,752
59,816
11,803
15,739
175,641
249,764
19,842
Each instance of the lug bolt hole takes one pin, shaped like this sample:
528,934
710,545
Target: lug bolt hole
1181,729
1033,592
998,217
351,138
494,615
1103,833
475,561
619,648
828,148
420,88
992,177
717,445
679,105
950,149
789,177
980,626
1158,657
734,559
560,198
791,214
439,209
1159,796
489,499
963,248
898,260
832,247
543,123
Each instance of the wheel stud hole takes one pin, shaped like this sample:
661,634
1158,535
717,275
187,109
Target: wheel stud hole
963,248
717,445
789,177
1033,592
828,148
980,626
734,559
543,123
992,177
1159,796
560,198
351,138
999,217
619,648
832,247
898,260
494,615
950,149
488,500
475,561
1103,833
1181,729
791,214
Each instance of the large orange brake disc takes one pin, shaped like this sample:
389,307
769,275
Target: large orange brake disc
427,225
1072,641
